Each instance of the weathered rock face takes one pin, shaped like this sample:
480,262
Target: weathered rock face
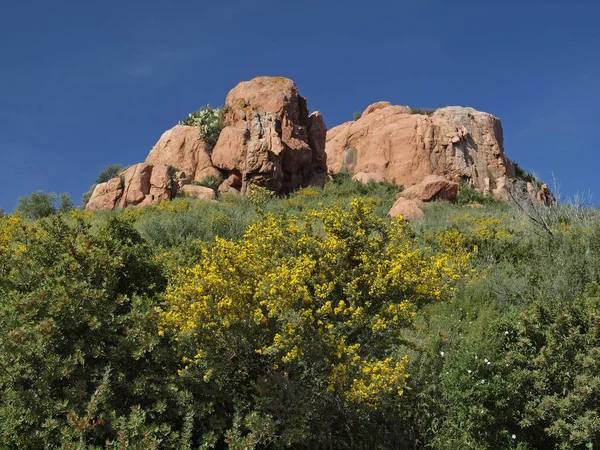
106,195
141,184
180,147
459,144
407,209
271,141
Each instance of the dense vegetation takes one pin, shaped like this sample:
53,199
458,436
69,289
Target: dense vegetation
312,321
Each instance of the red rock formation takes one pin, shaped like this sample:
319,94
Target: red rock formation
460,144
271,140
106,195
141,184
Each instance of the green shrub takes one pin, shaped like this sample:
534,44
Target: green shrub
209,122
79,351
183,221
37,205
65,203
357,116
529,381
111,171
209,181
467,193
172,172
522,174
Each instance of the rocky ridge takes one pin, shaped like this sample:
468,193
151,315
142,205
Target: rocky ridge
271,140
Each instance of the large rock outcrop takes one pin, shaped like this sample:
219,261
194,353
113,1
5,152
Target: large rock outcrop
270,139
390,142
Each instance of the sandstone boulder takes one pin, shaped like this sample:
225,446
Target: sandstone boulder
407,209
199,192
180,148
141,184
461,144
432,187
270,139
106,195
232,184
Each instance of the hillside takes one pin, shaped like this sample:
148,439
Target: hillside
313,320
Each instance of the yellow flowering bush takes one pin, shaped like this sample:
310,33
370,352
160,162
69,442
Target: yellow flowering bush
317,303
11,227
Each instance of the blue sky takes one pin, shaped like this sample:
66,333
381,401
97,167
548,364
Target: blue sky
85,84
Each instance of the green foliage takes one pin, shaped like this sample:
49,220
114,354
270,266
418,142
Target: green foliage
468,194
43,204
209,122
357,116
78,349
209,181
37,205
524,175
111,171
172,172
529,381
65,203
182,221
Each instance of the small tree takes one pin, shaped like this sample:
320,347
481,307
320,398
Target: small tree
357,116
65,203
111,171
37,205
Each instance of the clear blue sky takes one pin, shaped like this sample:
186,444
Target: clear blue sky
84,84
